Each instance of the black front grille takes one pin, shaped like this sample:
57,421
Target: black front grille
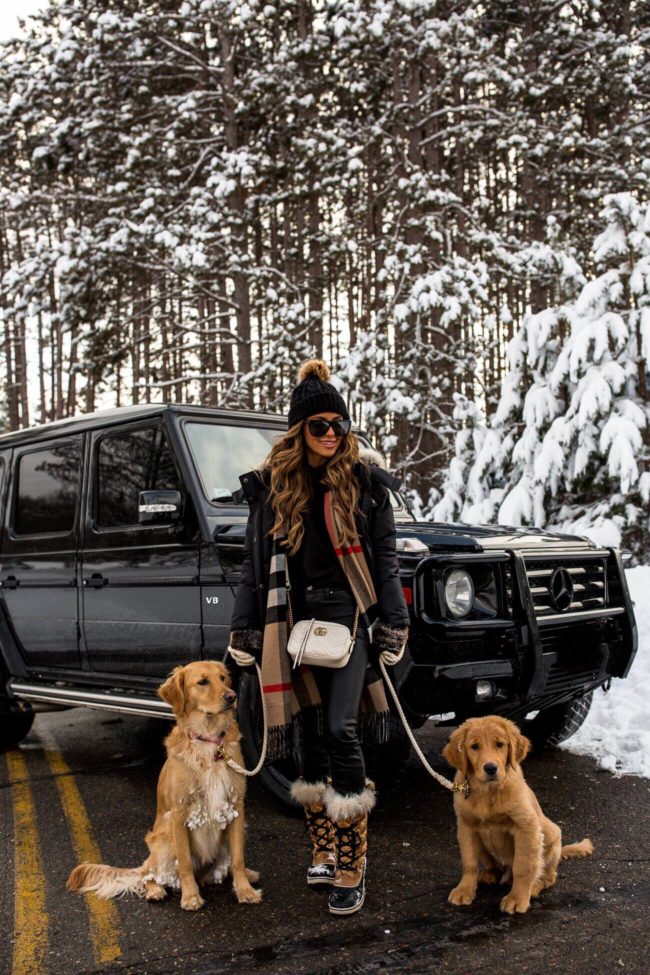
578,655
560,679
571,639
588,579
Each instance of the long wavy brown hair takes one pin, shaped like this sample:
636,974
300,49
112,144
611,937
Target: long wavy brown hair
290,491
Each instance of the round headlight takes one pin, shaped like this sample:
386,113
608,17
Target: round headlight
459,593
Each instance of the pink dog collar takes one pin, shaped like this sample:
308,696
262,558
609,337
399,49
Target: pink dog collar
219,751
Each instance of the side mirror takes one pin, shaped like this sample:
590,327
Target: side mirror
159,507
221,495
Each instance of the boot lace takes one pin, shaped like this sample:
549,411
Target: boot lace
349,842
320,830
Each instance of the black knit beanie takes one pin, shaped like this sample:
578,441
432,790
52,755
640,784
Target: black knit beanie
314,394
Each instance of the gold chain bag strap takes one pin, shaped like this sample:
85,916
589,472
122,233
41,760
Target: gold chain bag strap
318,643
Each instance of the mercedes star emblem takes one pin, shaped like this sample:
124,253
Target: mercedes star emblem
561,590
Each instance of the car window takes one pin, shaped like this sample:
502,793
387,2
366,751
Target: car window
47,489
129,462
222,453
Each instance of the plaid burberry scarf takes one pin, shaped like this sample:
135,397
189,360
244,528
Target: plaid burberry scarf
287,692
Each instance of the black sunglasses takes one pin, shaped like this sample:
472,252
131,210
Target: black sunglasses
318,428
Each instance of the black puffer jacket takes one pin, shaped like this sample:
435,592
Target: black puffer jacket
377,536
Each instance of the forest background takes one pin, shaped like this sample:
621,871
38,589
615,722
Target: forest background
448,201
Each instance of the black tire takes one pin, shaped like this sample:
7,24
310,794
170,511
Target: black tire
15,721
384,762
556,724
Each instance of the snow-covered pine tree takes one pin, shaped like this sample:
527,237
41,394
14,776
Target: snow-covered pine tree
604,433
569,439
197,194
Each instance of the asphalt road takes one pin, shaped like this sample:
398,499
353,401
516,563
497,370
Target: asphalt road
82,786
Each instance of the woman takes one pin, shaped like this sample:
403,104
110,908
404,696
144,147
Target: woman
322,515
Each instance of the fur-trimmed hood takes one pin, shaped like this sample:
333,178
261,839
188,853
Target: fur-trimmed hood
373,457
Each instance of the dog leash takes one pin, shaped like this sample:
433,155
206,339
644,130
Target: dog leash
230,761
462,787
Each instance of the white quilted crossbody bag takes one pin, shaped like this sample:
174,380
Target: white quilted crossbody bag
319,643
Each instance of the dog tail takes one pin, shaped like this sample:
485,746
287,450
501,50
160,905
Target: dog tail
107,881
583,849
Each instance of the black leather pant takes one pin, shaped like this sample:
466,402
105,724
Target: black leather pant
337,752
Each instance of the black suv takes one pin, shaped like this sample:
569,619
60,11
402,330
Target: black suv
121,550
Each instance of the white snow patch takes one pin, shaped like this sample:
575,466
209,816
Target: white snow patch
601,531
617,730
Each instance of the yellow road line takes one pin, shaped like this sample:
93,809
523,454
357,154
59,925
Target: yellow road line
103,915
30,917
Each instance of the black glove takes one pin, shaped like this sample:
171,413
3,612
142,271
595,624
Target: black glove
245,647
389,642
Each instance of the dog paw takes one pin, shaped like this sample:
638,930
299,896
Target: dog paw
253,875
461,896
248,895
488,877
192,902
511,904
154,891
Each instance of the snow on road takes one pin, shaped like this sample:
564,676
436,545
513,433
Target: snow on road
617,730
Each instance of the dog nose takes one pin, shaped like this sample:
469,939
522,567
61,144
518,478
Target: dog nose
490,768
230,697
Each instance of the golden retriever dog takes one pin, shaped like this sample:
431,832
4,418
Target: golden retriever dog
502,832
198,835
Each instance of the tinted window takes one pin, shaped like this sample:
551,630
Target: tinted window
128,463
48,487
222,453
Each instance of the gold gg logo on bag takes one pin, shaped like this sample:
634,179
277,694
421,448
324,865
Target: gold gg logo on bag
320,630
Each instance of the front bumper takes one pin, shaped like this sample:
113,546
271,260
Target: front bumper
533,655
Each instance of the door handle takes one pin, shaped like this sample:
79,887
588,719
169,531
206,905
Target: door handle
10,582
96,581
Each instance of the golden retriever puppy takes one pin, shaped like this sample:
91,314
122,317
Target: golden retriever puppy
502,832
198,835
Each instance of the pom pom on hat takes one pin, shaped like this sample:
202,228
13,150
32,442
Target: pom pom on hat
314,367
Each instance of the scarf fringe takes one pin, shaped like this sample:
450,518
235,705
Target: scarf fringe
374,727
286,741
280,743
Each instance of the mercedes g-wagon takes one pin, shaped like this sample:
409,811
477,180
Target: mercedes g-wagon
121,549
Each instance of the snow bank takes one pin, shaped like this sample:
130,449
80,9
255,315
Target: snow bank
617,731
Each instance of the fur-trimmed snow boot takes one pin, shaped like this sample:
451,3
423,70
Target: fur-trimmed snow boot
350,816
321,832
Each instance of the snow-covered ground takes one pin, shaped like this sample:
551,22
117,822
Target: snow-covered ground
617,731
